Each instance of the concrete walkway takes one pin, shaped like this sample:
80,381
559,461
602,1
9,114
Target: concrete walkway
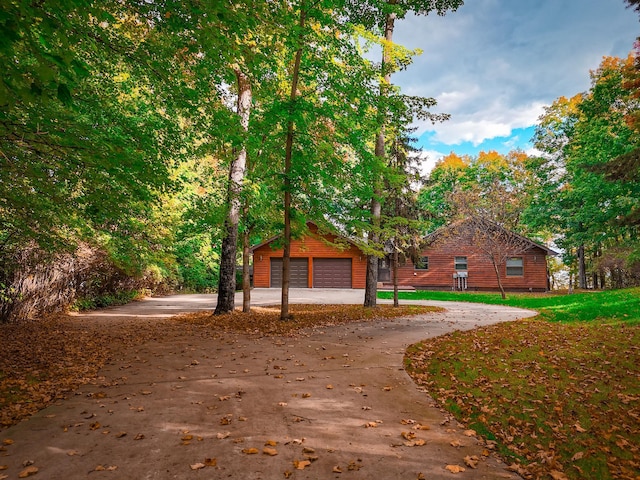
193,406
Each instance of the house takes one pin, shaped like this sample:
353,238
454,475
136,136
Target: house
318,260
454,258
451,260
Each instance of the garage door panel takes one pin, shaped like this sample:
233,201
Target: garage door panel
332,272
299,273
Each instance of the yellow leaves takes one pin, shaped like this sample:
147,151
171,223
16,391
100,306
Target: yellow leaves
250,451
270,451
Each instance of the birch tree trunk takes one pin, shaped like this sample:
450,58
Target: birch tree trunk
227,282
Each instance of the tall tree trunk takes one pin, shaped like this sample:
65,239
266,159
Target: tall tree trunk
227,282
286,254
246,269
582,269
371,286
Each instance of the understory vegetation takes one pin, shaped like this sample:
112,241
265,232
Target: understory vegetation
559,393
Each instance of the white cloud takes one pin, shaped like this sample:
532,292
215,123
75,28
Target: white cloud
495,121
494,64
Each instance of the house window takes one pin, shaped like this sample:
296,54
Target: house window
460,263
515,267
422,264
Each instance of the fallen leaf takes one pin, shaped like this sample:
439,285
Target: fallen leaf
197,466
99,468
471,461
470,433
7,441
270,451
336,469
455,468
210,462
301,464
577,456
250,451
329,387
579,428
139,436
121,434
27,472
270,443
222,436
557,475
306,395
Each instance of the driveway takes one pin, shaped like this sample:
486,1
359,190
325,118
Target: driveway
330,403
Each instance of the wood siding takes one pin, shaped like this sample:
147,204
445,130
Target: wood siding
481,274
309,247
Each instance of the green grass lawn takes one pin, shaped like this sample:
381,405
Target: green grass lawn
559,393
608,305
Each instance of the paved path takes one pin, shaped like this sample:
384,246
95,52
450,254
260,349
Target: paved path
172,403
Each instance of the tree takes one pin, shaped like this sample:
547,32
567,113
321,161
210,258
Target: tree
227,284
384,15
496,243
581,137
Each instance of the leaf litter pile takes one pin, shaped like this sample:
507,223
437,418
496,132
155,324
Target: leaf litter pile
266,320
44,361
558,401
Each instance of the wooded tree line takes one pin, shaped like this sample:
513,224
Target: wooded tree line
148,137
144,144
582,194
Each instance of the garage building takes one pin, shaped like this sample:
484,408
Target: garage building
317,261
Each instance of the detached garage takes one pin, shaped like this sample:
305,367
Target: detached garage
317,261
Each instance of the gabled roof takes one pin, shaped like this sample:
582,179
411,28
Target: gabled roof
432,237
309,225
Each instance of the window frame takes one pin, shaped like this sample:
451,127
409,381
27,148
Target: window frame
519,267
457,264
424,260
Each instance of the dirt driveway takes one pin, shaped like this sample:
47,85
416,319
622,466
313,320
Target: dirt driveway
331,403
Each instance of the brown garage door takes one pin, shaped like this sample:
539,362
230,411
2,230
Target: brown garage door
299,277
332,273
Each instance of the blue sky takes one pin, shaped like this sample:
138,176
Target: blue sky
495,64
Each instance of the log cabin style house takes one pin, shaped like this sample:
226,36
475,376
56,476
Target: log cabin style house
453,259
449,261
